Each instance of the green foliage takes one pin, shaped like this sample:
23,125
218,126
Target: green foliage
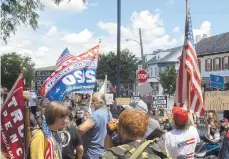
168,80
11,65
18,12
107,65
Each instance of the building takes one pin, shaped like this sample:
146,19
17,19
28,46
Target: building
213,57
162,59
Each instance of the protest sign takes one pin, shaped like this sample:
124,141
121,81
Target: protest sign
122,101
217,100
12,122
109,98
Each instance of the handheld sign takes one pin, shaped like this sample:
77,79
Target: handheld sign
142,76
216,81
160,102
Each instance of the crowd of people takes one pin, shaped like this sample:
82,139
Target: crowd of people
67,130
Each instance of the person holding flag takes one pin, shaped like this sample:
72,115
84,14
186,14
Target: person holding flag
46,143
182,140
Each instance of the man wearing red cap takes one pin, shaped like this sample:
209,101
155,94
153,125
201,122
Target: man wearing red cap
181,141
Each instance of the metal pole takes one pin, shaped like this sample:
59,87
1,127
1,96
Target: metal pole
118,46
142,54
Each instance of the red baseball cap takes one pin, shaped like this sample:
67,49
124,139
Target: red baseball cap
180,115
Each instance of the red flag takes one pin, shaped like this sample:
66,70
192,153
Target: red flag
12,122
188,88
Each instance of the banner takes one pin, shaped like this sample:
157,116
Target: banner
216,100
122,101
12,122
77,74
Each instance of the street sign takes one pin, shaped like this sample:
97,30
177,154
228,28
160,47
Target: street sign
142,76
160,102
216,81
40,77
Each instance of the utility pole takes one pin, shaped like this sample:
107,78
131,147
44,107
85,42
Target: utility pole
118,47
142,54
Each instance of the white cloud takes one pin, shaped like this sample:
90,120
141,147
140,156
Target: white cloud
153,24
81,37
176,29
66,5
170,2
110,27
205,28
52,31
45,50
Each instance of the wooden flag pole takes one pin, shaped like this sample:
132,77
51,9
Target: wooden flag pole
105,88
27,131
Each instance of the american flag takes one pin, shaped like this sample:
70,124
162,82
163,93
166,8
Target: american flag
187,142
66,55
188,88
49,154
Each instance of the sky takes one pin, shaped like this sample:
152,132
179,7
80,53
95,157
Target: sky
79,26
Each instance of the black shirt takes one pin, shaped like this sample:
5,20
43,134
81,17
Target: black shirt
70,138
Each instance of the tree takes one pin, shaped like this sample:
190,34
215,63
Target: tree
168,80
17,12
107,65
11,65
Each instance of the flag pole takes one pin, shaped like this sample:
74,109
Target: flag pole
27,130
89,105
105,89
188,76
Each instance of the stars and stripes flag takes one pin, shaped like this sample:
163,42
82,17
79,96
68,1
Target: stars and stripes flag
66,55
188,88
49,154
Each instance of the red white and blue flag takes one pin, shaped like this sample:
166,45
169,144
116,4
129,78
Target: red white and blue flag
12,122
66,55
78,74
188,88
49,154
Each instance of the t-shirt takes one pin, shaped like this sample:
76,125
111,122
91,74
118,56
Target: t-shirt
39,145
93,140
153,124
180,143
70,138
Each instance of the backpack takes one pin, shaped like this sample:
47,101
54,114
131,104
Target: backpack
133,150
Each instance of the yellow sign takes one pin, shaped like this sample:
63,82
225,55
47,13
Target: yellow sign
217,100
122,101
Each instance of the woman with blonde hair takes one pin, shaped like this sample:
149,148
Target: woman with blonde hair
213,126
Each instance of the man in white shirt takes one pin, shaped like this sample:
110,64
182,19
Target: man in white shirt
180,142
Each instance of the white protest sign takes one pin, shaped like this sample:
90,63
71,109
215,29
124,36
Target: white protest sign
109,98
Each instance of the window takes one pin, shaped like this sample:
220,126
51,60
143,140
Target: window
151,72
216,64
208,65
156,71
225,65
199,65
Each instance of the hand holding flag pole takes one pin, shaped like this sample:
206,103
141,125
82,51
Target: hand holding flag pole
27,131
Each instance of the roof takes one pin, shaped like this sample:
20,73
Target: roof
46,68
213,45
153,60
171,51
